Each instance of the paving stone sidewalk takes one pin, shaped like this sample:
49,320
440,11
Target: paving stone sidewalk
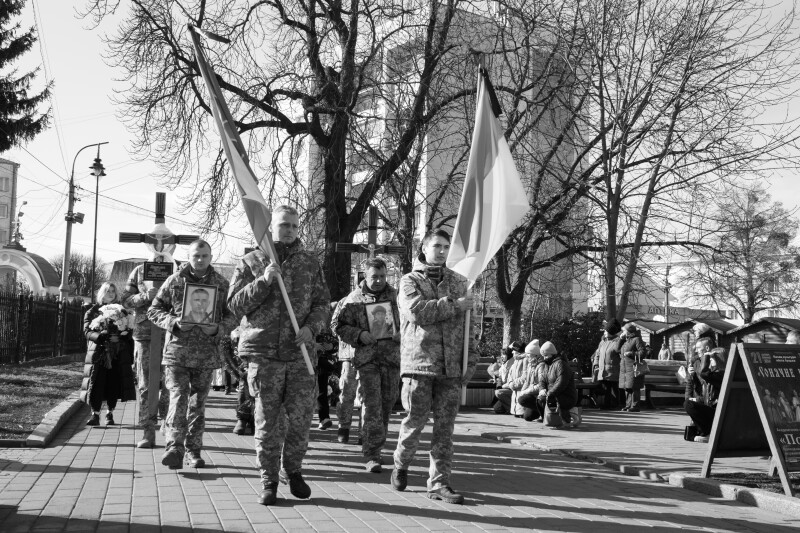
96,480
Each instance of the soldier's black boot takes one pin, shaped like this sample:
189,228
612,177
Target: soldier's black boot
343,435
298,487
173,458
240,427
269,495
399,479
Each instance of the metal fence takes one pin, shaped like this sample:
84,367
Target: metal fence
35,327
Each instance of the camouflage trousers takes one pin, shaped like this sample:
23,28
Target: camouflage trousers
379,388
420,395
285,397
141,353
186,419
348,383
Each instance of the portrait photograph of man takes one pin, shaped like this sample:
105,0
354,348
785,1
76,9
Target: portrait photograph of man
198,304
380,320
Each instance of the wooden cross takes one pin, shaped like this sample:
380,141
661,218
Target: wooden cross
156,272
371,247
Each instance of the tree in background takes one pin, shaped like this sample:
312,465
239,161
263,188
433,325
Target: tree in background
20,119
753,266
79,277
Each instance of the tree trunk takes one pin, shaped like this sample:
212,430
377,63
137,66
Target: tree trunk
512,323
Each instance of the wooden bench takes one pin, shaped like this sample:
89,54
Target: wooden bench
663,377
586,387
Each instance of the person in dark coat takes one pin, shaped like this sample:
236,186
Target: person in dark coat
706,371
633,350
605,364
557,384
107,371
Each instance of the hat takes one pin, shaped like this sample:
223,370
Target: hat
533,347
702,330
548,348
630,327
517,346
612,326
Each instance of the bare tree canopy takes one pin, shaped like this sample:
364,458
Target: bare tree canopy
753,267
345,88
79,277
663,99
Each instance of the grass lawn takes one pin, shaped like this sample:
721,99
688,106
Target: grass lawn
27,393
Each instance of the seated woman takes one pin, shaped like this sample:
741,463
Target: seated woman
530,389
503,392
557,390
705,372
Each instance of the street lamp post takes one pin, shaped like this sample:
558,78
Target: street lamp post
71,218
98,171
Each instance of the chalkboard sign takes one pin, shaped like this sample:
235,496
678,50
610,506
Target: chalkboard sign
758,412
157,271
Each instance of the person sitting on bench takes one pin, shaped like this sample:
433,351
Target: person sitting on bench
705,373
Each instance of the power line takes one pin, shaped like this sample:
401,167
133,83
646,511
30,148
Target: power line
46,64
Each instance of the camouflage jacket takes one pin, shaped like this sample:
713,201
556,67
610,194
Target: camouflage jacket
135,297
265,329
190,348
431,324
350,320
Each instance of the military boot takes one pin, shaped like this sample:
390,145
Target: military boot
269,495
446,494
298,487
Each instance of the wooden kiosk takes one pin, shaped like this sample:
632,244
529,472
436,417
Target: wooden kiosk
758,412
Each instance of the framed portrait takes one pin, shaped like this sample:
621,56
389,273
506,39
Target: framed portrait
199,304
381,320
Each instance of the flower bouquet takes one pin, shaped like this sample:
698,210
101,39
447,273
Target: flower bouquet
113,320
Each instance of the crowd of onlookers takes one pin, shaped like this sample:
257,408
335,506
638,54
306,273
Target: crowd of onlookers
532,381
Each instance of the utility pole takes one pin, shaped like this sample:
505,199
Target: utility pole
71,218
667,287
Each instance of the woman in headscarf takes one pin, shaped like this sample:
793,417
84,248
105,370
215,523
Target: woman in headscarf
605,363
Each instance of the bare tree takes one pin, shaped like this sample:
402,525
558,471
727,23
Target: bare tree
79,277
753,266
305,80
650,102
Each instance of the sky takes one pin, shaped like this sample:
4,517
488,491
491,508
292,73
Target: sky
83,113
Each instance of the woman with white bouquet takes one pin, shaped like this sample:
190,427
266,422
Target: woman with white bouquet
107,371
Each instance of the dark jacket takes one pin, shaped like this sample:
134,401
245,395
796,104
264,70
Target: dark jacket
706,382
101,383
266,332
557,379
632,350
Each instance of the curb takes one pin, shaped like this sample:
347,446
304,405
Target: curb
762,499
53,421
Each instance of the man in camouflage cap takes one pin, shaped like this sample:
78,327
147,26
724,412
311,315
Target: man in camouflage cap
432,300
377,361
190,355
284,391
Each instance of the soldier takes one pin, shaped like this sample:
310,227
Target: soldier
432,301
190,355
138,296
284,391
376,361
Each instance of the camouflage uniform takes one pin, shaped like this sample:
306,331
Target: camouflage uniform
378,364
431,346
277,374
135,297
190,357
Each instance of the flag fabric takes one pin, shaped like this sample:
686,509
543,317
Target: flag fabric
258,213
494,200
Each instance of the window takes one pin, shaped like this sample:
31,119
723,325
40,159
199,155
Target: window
5,184
3,237
3,210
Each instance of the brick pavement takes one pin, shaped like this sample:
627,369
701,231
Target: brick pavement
96,480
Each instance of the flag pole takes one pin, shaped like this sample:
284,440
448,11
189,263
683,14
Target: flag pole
221,115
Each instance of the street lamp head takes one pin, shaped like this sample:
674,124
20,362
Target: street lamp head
97,168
